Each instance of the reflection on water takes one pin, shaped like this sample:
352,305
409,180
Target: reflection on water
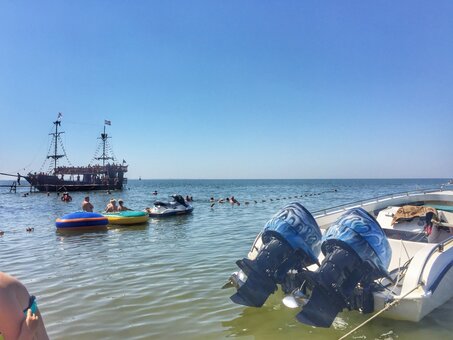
281,320
126,228
162,279
79,233
171,227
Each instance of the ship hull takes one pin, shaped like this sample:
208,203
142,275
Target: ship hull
48,183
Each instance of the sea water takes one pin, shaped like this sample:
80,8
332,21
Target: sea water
163,279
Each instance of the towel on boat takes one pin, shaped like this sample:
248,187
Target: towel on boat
408,212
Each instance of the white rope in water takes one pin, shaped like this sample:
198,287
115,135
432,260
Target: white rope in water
393,303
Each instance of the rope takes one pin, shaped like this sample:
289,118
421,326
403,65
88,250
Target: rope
64,151
400,274
393,303
110,147
46,159
108,151
96,152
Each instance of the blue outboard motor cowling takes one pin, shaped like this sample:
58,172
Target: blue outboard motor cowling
291,240
356,251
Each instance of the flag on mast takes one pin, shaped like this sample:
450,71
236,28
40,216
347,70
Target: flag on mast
107,122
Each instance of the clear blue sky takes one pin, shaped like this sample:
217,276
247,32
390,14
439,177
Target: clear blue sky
232,89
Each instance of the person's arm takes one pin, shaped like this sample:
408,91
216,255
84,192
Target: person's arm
11,315
13,323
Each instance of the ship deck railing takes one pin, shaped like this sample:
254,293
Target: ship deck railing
90,170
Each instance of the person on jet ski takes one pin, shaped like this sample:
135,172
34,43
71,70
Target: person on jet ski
179,199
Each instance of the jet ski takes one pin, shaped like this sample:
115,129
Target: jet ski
177,206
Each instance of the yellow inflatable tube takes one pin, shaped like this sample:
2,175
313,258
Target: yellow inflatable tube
128,217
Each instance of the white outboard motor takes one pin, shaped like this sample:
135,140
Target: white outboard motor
356,253
291,241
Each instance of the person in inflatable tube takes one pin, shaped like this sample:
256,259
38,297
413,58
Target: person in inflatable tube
121,206
66,197
86,205
111,206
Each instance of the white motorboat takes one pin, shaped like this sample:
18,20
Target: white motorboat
177,206
390,255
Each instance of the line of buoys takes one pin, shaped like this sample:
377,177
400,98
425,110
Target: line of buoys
233,201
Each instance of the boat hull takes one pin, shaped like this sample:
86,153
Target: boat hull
433,268
46,183
169,212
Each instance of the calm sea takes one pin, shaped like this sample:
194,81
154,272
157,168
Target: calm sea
163,279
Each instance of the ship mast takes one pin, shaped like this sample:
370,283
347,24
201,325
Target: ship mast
104,155
56,136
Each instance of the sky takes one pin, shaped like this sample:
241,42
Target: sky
231,89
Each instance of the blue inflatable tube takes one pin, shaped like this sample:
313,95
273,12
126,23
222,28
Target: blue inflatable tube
81,220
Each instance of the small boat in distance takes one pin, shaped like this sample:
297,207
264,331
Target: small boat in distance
104,176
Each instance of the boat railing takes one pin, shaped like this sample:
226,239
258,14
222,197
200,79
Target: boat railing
439,248
361,203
